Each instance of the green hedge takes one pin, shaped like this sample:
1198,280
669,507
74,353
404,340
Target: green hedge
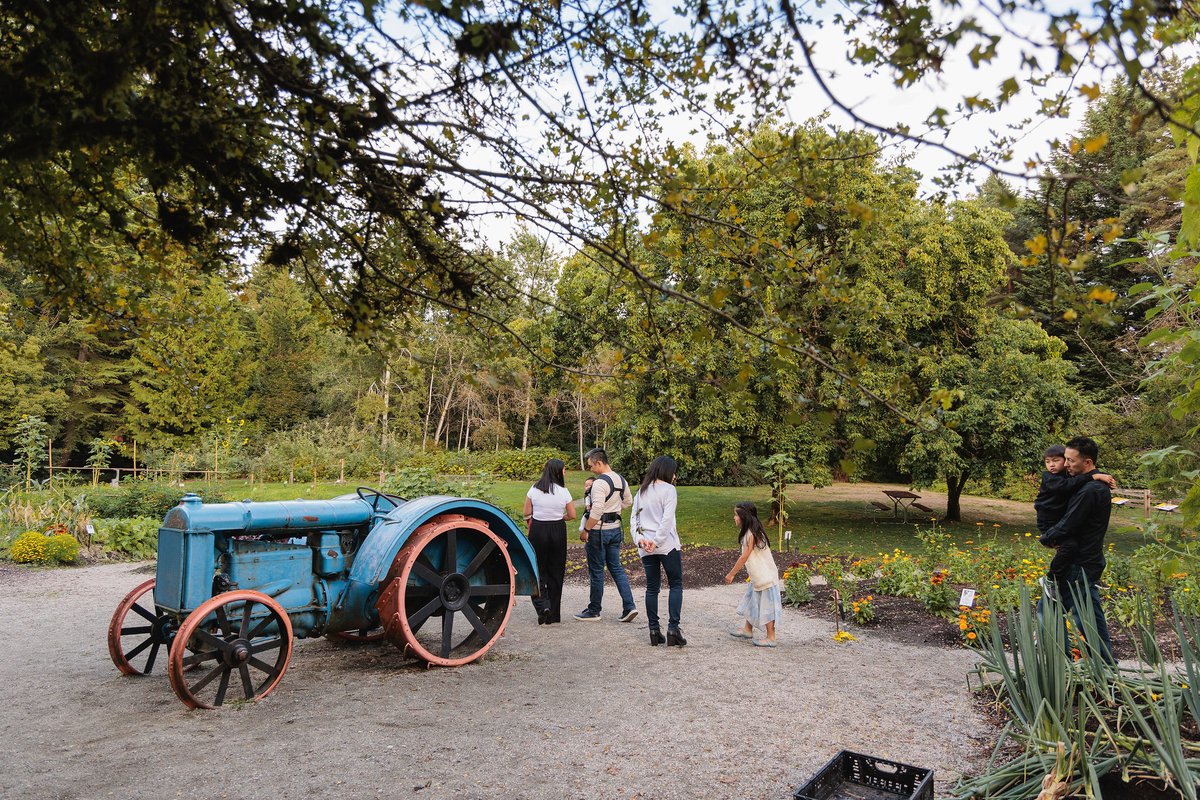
141,498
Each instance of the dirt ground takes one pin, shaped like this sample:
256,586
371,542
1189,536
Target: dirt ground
577,710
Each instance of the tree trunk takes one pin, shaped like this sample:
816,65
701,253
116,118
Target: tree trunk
467,440
387,402
429,404
579,416
437,436
954,487
528,412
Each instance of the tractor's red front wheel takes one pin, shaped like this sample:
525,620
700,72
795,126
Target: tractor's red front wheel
137,631
449,593
235,646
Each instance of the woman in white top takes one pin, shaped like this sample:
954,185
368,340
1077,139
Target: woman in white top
548,506
657,540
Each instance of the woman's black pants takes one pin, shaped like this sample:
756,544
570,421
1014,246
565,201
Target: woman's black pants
549,540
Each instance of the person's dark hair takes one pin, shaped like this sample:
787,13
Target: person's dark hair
1086,447
552,474
747,514
1055,451
595,454
662,468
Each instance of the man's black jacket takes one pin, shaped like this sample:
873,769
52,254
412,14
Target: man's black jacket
1080,532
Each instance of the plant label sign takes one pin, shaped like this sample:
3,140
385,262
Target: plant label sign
967,598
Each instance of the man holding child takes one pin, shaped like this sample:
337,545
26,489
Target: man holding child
1078,536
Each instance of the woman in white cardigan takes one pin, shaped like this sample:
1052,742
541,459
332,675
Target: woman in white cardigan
657,540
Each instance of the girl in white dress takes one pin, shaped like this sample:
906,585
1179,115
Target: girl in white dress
762,605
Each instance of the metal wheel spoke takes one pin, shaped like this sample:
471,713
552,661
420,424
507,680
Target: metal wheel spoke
489,589
262,666
247,684
484,632
196,659
427,574
221,688
208,638
480,557
150,660
207,679
267,644
447,632
242,631
223,622
418,619
141,612
137,630
262,625
146,643
450,562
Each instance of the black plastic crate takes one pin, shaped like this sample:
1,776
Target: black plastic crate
853,776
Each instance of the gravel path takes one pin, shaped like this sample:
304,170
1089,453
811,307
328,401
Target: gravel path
577,710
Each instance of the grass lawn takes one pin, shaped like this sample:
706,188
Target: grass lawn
833,520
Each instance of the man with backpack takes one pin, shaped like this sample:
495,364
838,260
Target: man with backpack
603,534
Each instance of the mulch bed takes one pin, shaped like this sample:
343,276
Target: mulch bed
898,619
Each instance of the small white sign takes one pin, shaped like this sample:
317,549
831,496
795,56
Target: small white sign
91,529
967,598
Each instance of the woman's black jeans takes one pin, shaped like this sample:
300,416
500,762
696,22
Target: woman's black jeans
655,565
549,540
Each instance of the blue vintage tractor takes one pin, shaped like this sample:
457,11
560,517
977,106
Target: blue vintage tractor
237,582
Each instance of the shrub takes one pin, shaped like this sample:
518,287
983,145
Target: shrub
136,537
862,610
938,596
62,548
797,586
974,625
141,498
413,482
1185,596
518,464
901,576
29,548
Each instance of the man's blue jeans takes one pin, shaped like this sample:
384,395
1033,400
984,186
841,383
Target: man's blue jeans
604,549
672,564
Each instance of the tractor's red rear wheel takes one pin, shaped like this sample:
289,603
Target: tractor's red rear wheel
235,646
449,593
137,631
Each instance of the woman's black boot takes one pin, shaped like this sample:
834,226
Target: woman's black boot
656,637
674,637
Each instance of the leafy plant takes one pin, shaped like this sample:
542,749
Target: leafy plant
863,610
1074,721
136,537
31,442
141,498
797,585
900,576
938,596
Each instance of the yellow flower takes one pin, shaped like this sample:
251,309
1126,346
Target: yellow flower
1029,534
971,635
844,636
980,524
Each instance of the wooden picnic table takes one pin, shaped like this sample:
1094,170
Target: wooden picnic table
902,500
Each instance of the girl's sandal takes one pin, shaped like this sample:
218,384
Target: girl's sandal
739,634
765,643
